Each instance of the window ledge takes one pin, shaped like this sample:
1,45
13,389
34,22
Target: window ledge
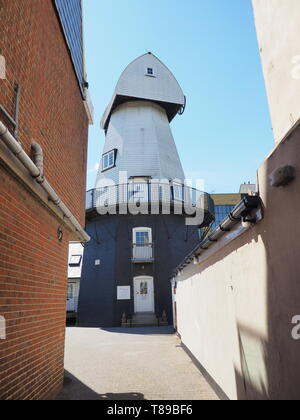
107,169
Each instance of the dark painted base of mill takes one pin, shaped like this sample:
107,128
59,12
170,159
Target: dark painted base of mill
108,264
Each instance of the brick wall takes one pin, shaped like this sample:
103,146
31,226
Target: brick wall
51,109
33,263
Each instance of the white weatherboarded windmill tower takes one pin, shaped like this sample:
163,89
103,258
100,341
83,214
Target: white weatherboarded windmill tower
147,97
128,264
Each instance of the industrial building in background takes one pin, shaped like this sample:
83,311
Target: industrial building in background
139,216
224,204
45,111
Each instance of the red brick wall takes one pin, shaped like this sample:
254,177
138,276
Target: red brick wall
32,294
33,263
51,109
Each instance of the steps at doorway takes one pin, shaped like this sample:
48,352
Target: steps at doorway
144,319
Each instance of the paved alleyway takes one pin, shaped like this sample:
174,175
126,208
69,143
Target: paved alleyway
130,364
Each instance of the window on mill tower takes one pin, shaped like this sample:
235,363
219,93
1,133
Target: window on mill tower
109,160
150,71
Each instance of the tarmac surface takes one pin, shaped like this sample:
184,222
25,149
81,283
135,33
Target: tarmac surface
130,364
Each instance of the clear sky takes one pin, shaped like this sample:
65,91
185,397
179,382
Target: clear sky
211,47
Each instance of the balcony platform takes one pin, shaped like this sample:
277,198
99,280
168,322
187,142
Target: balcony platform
150,198
142,260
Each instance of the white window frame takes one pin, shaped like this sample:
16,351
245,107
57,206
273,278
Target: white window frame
142,229
153,71
75,260
108,155
142,252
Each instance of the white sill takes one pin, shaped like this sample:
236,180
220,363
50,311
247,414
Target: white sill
109,167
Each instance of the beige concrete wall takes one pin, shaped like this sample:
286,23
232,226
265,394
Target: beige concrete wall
236,306
278,30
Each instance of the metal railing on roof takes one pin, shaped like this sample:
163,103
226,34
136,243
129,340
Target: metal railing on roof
163,194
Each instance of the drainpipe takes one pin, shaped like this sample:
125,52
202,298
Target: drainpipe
38,159
36,170
239,214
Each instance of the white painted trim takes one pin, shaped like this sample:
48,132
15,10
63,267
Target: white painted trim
141,229
72,304
153,71
148,279
111,152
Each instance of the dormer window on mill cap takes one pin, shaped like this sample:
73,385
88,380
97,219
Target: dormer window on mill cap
150,72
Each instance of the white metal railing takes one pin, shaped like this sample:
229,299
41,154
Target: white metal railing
142,252
156,197
145,193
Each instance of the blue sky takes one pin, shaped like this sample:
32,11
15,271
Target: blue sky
211,47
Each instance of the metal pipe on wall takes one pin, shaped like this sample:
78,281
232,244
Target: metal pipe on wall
37,173
7,116
238,214
17,109
38,158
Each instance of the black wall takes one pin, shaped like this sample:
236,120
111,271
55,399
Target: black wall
112,244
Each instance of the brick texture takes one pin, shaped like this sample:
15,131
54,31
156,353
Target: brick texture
33,263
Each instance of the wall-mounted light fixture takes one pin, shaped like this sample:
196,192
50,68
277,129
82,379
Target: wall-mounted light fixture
282,176
60,234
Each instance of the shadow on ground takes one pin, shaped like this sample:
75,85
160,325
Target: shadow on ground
75,390
142,331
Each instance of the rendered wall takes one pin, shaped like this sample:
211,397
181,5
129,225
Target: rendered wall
278,30
235,308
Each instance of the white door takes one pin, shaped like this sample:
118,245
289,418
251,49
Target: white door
143,294
72,300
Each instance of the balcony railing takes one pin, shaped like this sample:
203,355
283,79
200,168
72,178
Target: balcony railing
142,253
174,196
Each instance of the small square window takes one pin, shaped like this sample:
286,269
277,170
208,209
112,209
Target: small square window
108,160
150,71
75,260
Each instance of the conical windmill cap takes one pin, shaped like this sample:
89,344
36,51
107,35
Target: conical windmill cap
147,78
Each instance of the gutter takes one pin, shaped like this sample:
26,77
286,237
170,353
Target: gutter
239,214
36,171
